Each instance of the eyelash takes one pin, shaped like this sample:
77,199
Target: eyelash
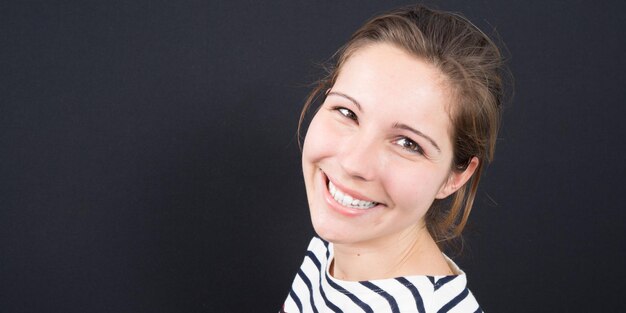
408,144
346,113
415,148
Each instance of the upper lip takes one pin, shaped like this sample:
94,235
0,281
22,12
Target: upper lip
352,193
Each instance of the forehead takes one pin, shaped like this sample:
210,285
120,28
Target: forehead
396,85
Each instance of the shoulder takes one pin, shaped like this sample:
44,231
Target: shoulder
452,291
319,247
317,243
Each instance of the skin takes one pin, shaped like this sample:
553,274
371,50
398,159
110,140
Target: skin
383,134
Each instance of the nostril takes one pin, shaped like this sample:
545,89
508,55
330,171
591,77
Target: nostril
358,159
359,170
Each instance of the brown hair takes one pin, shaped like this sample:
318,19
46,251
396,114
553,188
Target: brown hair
473,66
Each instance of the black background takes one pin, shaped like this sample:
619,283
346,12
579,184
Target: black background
149,158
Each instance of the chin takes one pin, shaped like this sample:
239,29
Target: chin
335,229
328,227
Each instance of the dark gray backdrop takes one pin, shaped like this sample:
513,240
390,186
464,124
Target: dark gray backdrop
149,162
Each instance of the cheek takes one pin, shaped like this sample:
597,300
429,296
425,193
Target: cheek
319,140
413,189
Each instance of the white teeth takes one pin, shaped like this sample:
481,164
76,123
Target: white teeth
347,200
332,189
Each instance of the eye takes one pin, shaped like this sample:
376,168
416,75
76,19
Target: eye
410,145
346,112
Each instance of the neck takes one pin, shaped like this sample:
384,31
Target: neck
411,252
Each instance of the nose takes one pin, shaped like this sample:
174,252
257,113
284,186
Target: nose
359,157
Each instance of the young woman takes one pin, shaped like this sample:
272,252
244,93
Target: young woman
391,163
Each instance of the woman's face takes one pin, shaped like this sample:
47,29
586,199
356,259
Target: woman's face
378,151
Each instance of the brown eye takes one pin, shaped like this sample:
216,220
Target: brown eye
347,113
410,145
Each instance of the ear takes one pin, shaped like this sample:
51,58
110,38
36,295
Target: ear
457,179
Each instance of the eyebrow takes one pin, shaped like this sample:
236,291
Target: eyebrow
395,125
347,97
417,132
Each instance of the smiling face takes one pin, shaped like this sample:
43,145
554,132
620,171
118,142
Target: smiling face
379,150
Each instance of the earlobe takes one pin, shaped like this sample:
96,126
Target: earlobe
457,179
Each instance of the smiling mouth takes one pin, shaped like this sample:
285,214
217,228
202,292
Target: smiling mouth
347,200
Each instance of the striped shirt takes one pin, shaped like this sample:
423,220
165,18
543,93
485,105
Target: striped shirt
315,290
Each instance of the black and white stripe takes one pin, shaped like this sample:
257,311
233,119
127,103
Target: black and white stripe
314,290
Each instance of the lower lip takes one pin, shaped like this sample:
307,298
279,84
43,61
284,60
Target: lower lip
350,212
